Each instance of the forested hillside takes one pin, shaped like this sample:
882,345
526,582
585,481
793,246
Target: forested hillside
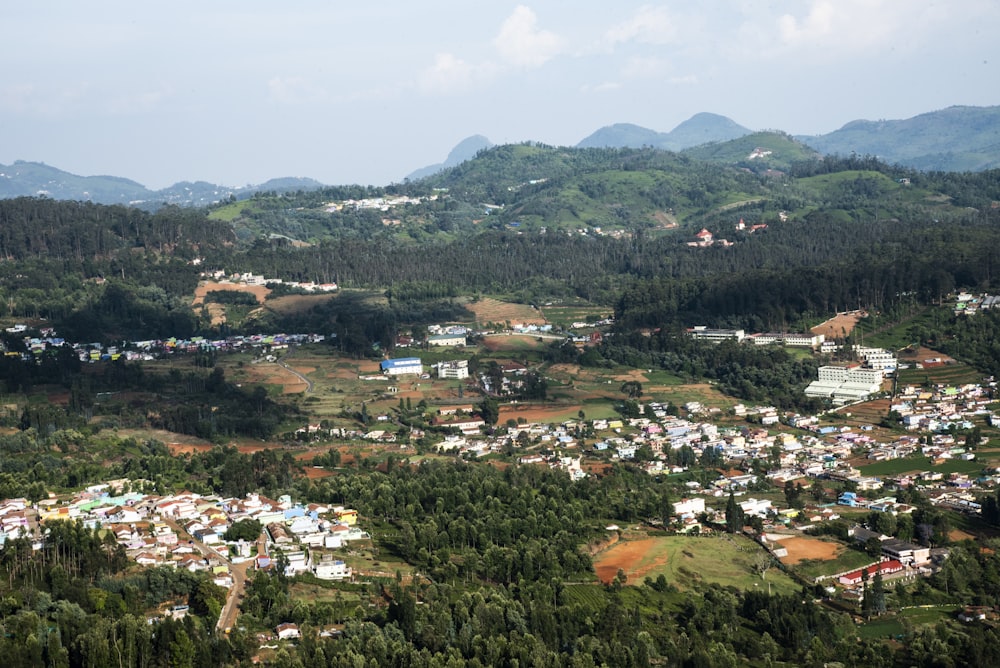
534,223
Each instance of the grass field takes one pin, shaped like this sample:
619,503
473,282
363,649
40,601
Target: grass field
921,463
684,561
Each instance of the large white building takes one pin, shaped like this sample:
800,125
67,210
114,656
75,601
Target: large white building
401,366
715,335
844,384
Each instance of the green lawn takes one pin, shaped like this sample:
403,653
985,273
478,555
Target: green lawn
920,463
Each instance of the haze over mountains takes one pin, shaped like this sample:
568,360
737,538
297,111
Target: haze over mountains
959,138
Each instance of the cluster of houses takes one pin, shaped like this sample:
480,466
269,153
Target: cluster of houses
942,408
969,304
187,530
247,278
383,204
152,349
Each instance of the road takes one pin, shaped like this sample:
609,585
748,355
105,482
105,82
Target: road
281,362
227,618
231,610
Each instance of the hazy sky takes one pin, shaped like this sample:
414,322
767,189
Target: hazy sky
365,92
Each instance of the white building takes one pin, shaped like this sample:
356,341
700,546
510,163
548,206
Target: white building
457,369
446,340
844,384
716,335
401,366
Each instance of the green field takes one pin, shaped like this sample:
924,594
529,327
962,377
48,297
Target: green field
685,561
919,463
948,374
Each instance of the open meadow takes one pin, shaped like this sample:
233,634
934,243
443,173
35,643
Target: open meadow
721,559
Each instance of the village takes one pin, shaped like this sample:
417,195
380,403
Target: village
192,532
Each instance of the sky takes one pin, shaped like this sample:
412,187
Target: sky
238,92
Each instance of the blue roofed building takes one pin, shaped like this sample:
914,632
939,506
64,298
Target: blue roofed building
401,366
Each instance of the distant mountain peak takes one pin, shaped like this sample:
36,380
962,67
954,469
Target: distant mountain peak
702,128
464,150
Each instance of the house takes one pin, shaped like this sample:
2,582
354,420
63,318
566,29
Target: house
689,506
287,631
332,570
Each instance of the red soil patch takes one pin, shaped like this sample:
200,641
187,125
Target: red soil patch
957,535
838,326
538,413
218,311
627,555
802,549
313,472
188,448
259,291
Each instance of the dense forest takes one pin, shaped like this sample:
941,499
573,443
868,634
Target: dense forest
840,233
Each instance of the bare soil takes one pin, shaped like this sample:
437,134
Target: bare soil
627,556
802,549
838,326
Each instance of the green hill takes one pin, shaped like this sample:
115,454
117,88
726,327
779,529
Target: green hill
953,139
759,152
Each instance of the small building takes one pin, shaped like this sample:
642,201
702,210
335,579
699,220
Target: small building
287,631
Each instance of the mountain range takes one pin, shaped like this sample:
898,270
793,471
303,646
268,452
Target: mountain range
959,138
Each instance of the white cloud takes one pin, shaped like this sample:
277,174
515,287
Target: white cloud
293,90
521,42
138,103
447,74
645,67
649,25
605,87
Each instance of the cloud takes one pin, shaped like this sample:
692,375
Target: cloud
138,102
605,87
447,74
522,43
645,67
848,25
293,90
649,25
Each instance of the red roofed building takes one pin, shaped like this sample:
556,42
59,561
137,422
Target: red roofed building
857,577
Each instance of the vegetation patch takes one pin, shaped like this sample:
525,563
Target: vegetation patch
687,561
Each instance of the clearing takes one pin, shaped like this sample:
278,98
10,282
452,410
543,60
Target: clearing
683,560
488,309
802,548
839,325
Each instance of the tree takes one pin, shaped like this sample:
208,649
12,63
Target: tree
632,388
489,410
734,515
762,562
